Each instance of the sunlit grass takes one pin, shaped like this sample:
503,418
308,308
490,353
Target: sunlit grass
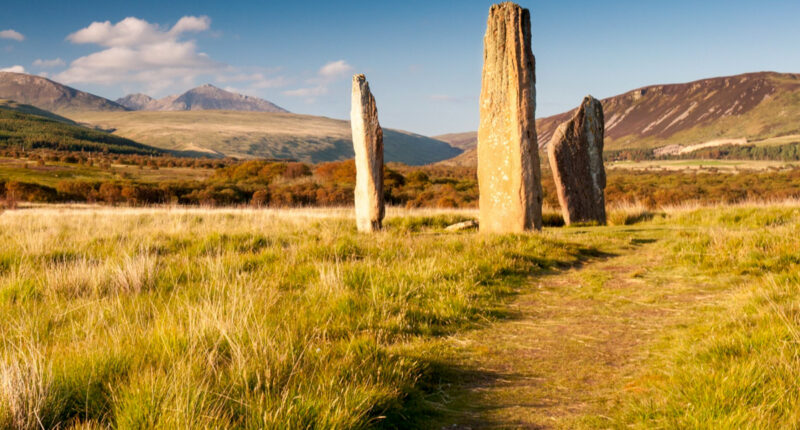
248,318
236,318
738,365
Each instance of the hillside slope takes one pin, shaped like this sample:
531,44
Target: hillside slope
205,97
261,135
49,95
33,110
26,130
465,141
753,106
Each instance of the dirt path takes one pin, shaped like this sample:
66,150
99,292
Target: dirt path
573,341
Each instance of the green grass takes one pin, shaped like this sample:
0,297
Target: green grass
52,173
737,366
214,319
291,319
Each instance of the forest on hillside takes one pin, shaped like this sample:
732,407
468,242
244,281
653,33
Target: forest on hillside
23,132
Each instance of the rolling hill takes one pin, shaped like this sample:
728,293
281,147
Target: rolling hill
205,97
751,107
260,135
31,128
49,95
11,105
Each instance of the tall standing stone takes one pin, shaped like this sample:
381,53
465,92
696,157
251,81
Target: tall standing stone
509,176
368,147
576,159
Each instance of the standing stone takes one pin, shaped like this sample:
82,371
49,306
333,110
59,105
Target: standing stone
368,147
576,159
509,176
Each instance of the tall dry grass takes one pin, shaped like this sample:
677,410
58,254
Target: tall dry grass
165,318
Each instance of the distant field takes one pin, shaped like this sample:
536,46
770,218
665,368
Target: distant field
164,318
700,165
782,140
52,173
260,135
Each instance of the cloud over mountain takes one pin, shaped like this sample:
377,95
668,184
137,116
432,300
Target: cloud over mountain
14,69
137,51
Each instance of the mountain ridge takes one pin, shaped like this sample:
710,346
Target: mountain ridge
752,106
204,97
49,95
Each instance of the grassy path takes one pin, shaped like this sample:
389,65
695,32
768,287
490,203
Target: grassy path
573,340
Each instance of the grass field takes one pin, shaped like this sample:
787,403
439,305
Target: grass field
12,169
687,165
179,318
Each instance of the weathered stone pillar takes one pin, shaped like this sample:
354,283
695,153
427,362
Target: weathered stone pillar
576,159
509,176
368,147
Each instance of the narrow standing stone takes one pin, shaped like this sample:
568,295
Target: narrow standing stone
509,176
368,147
576,159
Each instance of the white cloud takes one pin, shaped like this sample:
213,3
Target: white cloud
141,53
335,70
191,23
12,34
133,31
49,63
15,69
318,85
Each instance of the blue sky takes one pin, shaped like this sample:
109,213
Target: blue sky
422,58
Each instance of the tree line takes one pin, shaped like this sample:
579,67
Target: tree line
783,152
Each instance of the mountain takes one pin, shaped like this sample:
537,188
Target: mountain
261,135
752,107
206,97
52,96
467,140
137,101
31,128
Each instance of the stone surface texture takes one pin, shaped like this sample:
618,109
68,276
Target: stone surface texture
576,159
368,147
509,176
464,225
